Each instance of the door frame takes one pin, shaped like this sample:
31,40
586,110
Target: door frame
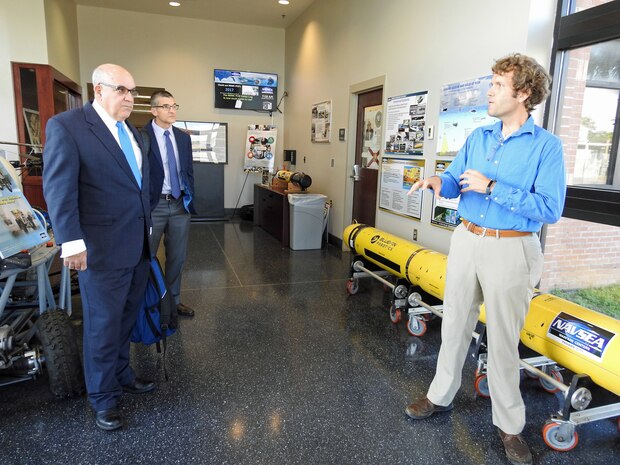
354,91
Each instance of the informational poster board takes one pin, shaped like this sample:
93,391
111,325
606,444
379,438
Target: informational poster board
321,129
371,148
209,140
396,178
463,108
260,148
20,227
444,212
406,119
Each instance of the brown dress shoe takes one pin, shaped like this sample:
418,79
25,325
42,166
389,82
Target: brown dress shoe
517,451
184,310
424,408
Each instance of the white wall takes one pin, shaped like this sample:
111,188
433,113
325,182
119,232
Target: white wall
180,55
22,39
413,46
62,37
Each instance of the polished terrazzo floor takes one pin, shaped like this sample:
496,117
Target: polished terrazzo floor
281,366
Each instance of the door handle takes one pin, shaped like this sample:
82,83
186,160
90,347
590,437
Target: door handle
356,173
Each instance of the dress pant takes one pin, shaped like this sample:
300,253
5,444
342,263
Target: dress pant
110,302
172,220
502,273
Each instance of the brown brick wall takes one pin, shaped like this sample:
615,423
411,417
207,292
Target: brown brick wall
580,254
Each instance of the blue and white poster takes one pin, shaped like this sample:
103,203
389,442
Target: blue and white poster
463,108
20,228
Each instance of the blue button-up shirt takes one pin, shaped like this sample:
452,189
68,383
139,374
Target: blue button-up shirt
529,169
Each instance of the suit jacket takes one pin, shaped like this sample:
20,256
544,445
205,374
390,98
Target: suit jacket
184,146
91,192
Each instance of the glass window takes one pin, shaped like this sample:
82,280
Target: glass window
582,250
576,6
587,113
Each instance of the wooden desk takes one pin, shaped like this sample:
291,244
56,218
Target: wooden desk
271,212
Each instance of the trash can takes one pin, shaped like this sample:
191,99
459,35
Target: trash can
307,216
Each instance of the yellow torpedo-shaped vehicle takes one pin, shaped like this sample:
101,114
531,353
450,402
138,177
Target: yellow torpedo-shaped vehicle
580,339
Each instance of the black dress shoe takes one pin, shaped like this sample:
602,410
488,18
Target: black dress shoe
139,386
184,310
109,419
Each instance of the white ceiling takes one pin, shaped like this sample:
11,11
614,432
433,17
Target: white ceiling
267,13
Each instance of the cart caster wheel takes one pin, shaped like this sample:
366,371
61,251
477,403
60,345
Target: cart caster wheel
481,385
552,438
530,375
352,286
395,314
546,385
416,327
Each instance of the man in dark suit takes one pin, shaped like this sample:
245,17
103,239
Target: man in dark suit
96,186
172,188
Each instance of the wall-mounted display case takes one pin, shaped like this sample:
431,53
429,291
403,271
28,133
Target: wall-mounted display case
40,93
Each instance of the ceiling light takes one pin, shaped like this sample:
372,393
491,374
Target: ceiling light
174,4
283,2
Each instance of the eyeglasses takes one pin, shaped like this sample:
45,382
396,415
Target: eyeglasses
167,107
122,90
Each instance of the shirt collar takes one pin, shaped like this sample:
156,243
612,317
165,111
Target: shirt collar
159,131
496,128
105,117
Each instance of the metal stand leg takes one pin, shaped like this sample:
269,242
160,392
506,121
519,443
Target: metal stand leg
64,294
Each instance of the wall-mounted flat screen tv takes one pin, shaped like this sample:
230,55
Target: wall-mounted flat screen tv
245,90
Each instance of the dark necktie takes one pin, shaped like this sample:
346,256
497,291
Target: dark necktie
128,151
175,188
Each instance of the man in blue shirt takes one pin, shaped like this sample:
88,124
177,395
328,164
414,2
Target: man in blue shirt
511,179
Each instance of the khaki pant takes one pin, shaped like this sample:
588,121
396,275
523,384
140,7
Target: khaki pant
501,273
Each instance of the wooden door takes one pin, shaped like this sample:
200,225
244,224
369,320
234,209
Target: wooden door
368,147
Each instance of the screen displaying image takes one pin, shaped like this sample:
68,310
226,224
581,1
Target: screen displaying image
245,90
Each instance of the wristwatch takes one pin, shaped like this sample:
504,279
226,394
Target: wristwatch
489,187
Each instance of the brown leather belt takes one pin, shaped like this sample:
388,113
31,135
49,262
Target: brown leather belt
480,231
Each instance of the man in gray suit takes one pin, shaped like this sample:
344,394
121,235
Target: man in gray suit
172,188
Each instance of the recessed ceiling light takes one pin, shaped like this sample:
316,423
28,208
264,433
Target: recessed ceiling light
174,4
283,2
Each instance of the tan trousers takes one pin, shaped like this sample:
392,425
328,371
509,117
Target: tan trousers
502,273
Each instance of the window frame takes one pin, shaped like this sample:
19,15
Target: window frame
598,204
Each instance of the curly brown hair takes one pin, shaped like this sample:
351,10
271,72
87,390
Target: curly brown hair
528,77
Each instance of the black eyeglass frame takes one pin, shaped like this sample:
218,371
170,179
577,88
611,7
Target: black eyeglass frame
167,107
122,90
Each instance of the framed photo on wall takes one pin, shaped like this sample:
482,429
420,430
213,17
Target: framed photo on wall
321,122
32,120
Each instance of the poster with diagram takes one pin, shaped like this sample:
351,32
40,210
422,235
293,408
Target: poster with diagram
373,126
260,148
406,119
20,227
396,178
463,108
444,211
